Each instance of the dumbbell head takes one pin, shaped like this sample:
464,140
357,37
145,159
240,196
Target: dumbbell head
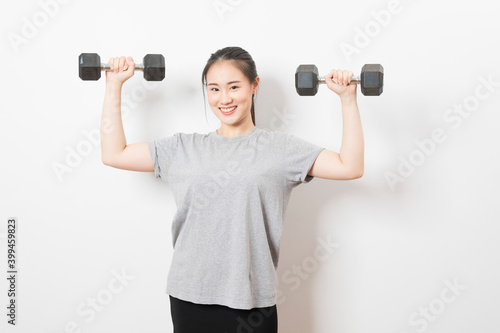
306,80
372,80
89,66
154,67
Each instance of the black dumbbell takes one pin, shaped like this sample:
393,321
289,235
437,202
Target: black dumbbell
90,67
307,80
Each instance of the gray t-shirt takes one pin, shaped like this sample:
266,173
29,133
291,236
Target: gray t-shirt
231,196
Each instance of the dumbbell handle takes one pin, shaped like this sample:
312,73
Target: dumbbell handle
355,79
106,66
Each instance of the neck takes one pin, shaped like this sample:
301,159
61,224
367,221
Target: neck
229,131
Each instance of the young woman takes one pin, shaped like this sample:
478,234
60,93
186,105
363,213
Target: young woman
231,188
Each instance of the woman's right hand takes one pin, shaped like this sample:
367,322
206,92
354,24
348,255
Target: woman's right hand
121,70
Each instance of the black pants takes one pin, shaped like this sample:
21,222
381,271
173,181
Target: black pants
189,317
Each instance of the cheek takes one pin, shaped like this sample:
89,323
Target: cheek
212,100
244,97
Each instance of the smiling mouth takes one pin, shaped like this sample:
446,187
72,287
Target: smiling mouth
227,110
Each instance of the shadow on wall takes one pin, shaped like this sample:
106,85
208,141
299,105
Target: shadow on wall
416,206
304,250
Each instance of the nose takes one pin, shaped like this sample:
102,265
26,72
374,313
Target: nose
226,97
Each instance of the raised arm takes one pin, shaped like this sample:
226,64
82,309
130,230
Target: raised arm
349,162
114,149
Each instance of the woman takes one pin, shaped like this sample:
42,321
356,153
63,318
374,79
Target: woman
231,188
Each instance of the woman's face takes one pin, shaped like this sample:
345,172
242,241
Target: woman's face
230,93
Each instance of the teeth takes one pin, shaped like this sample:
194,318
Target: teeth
228,109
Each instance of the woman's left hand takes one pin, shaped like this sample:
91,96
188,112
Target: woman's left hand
338,81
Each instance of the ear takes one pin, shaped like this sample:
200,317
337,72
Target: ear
255,85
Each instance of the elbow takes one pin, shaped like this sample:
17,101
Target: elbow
356,174
106,160
359,170
111,159
359,175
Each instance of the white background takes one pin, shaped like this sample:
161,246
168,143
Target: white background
399,245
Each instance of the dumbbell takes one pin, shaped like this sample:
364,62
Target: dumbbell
90,67
307,80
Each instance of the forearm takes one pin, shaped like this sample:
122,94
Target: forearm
352,148
112,134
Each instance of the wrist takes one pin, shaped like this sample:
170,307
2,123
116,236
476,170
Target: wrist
113,86
347,99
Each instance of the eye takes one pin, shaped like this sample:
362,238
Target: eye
214,89
234,87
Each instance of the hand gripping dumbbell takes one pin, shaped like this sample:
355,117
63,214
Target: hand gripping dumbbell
90,67
307,80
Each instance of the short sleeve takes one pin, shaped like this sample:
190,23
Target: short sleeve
162,151
299,156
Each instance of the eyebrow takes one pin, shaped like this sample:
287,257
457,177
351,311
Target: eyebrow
215,84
